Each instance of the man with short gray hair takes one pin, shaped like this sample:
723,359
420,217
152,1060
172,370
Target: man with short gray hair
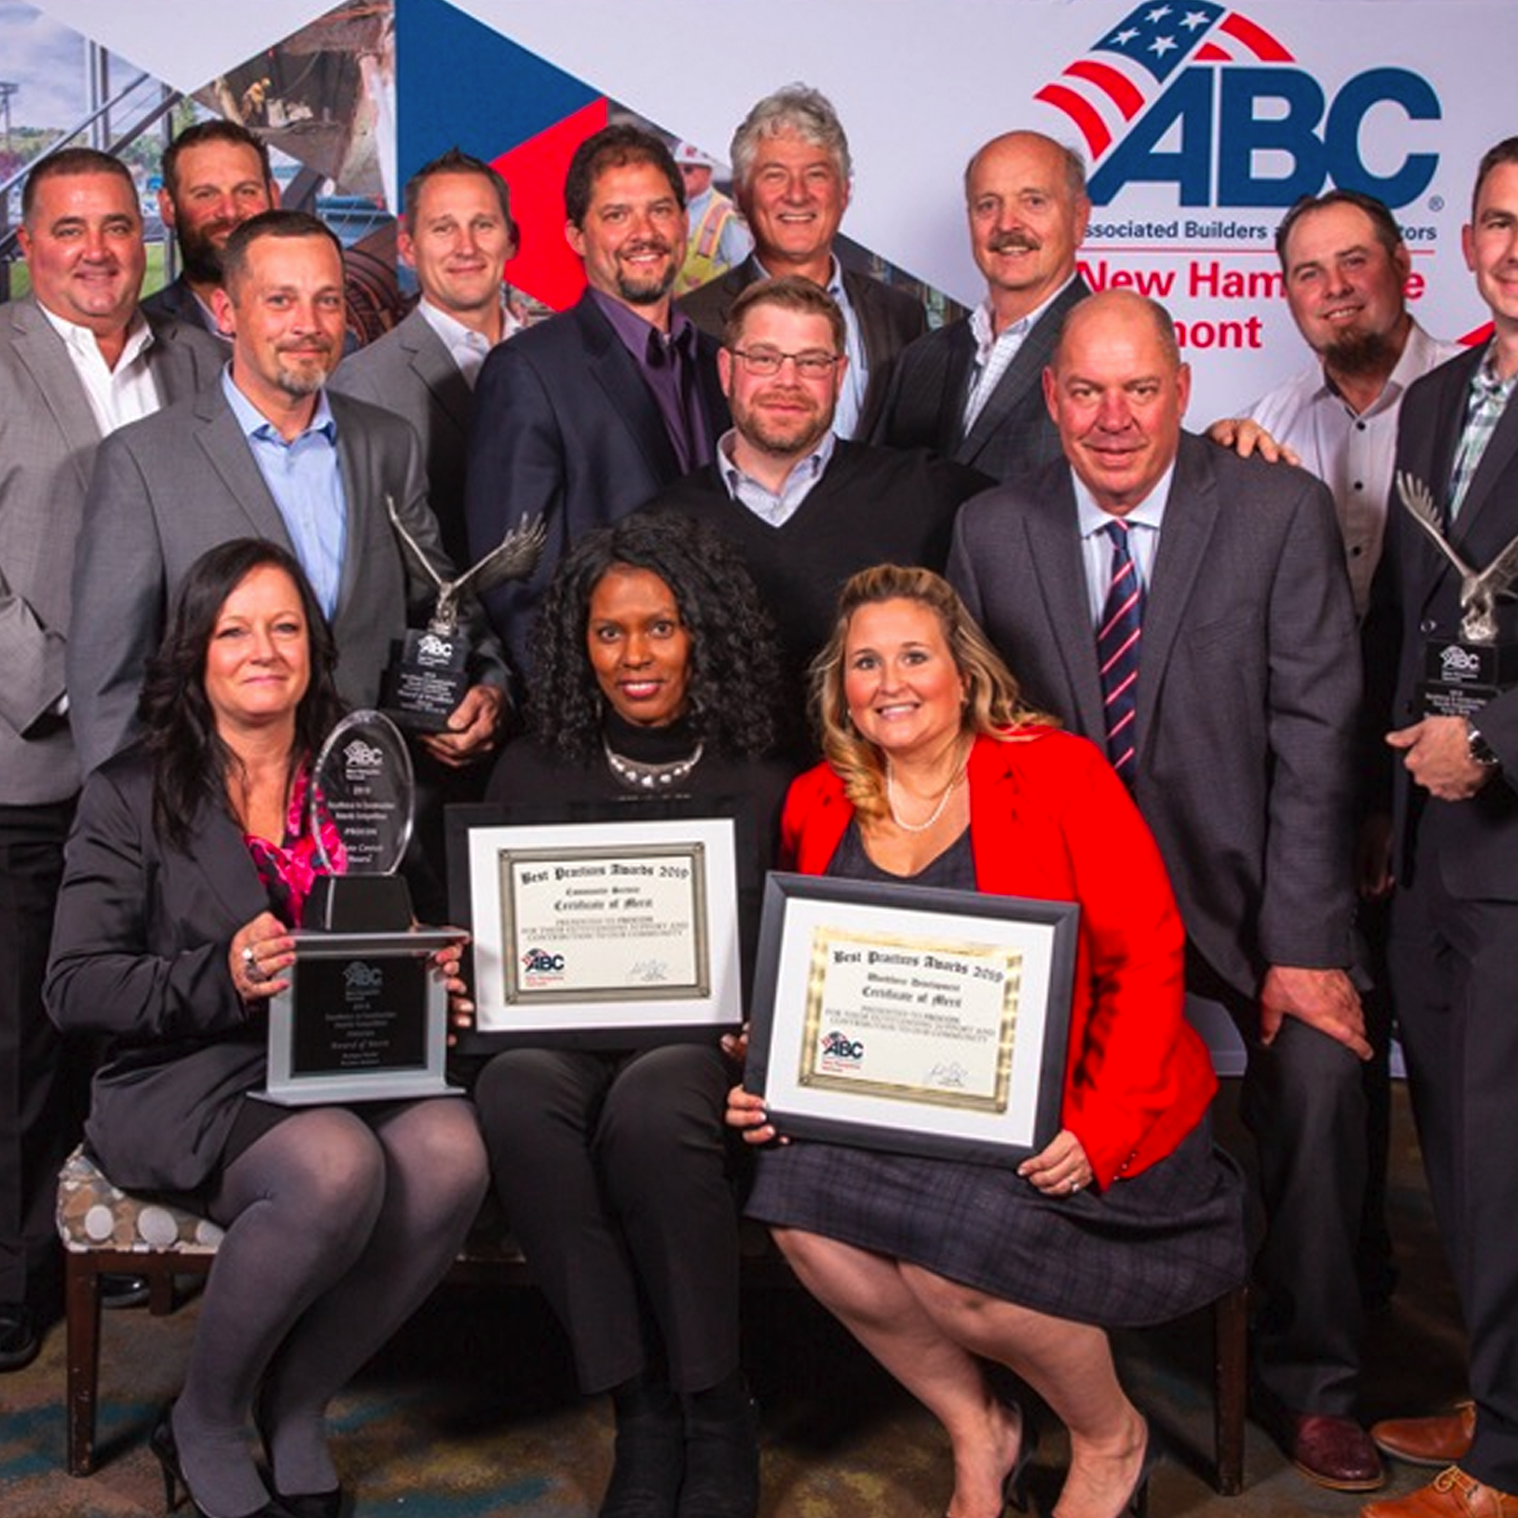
792,174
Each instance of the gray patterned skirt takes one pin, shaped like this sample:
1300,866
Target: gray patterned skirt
1147,1249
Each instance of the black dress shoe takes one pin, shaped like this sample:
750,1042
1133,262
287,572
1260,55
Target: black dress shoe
650,1456
328,1504
721,1464
18,1336
118,1291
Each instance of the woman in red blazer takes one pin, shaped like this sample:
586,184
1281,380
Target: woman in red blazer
936,775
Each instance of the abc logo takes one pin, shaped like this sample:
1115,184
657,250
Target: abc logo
538,962
842,1048
1230,123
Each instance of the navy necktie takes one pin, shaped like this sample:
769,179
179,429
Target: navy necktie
1118,639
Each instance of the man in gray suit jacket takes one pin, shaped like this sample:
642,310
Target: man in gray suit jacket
458,235
1217,591
791,175
76,359
973,390
265,452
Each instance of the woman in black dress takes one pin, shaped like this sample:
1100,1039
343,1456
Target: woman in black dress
654,677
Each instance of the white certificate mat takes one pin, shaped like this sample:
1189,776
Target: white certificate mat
905,1018
605,926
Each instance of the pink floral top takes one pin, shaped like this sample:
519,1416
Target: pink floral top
287,868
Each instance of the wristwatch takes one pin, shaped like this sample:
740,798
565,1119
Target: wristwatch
1479,749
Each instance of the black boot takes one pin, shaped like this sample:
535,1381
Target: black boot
650,1454
721,1453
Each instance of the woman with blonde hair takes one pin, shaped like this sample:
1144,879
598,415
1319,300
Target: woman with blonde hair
936,774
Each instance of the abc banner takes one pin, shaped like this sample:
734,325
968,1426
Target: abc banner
1201,123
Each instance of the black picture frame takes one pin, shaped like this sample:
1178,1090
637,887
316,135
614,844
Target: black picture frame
820,1089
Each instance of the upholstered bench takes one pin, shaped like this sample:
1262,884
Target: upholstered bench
106,1230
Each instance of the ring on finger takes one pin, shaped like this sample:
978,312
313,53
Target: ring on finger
1075,1185
255,970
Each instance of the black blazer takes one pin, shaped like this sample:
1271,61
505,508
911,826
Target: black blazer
1013,434
564,425
140,945
1416,596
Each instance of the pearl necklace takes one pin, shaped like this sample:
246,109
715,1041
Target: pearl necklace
938,811
651,777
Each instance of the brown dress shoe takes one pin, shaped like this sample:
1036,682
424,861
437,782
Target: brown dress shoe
1451,1494
1335,1452
1444,1439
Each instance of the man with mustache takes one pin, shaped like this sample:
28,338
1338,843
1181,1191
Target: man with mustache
585,416
973,390
805,507
266,452
215,176
792,175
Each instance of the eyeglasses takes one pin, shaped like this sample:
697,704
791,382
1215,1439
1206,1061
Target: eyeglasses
766,363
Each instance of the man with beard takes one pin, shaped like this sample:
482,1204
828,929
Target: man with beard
215,176
267,452
1346,271
973,391
585,416
806,508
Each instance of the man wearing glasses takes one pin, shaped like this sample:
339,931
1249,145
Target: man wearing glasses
805,507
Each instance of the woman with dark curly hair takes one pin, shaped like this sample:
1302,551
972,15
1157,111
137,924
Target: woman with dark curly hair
188,867
654,676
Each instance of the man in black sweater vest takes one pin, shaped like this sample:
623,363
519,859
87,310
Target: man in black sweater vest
807,509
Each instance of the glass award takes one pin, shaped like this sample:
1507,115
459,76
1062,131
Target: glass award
365,1015
359,810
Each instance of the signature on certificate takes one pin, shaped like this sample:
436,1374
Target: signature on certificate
649,972
950,1076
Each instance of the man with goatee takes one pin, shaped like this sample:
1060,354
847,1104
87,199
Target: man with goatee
585,416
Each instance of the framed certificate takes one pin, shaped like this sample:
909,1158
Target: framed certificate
609,933
913,1019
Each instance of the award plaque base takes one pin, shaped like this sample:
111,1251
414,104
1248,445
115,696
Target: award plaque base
426,679
364,1019
359,904
1459,677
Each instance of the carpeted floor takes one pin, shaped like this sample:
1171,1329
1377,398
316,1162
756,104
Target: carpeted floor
471,1411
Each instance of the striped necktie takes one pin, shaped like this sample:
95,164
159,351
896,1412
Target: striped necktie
1117,651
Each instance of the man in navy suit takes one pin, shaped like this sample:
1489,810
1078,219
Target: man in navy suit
1449,780
587,415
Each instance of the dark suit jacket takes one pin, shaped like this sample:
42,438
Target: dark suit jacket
176,302
930,384
410,372
1248,688
889,319
48,440
1415,597
168,488
140,954
567,427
